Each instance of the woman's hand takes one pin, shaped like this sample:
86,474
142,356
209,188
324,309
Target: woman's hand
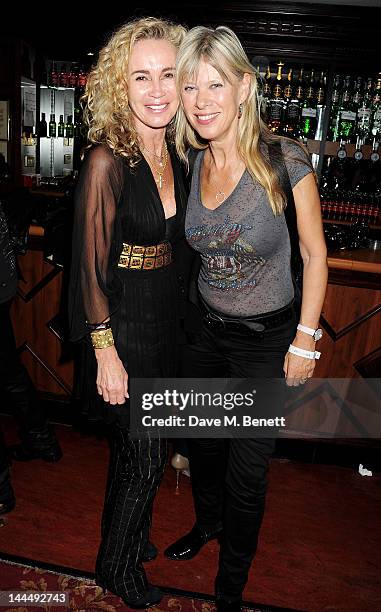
297,369
112,378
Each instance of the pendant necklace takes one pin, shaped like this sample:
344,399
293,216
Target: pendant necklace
220,194
161,165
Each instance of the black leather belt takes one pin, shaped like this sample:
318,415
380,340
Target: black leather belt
255,324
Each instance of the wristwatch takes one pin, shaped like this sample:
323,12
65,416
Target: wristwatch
315,333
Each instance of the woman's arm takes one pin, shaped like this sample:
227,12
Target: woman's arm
93,285
315,273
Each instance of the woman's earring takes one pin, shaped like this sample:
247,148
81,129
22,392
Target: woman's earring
240,110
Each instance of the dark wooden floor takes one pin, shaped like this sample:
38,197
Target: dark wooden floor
320,546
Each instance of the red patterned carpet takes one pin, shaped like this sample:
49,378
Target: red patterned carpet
320,546
31,584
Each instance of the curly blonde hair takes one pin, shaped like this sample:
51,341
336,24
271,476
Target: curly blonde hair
105,101
222,49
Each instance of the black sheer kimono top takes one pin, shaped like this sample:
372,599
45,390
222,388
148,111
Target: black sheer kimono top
116,204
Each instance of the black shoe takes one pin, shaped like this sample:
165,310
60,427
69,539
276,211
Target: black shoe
38,443
151,597
7,505
150,552
189,545
228,605
7,497
26,452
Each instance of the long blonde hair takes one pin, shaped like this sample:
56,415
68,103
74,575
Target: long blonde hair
105,101
222,49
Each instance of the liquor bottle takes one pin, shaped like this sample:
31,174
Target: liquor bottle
375,156
311,86
357,91
77,128
357,165
334,119
300,86
69,132
276,103
63,76
309,110
320,91
341,199
374,183
325,187
267,88
52,126
376,110
42,127
287,91
360,185
348,112
292,110
82,79
77,121
364,113
61,128
54,77
73,75
374,168
340,163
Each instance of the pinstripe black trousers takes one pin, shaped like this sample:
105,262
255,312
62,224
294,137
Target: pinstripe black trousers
135,472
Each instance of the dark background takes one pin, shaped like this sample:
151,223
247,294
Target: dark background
69,32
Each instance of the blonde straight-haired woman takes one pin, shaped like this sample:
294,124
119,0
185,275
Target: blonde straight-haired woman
129,217
236,221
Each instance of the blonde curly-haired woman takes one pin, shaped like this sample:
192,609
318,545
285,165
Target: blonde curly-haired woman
129,220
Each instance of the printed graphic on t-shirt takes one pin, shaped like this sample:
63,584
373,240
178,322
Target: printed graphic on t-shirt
227,257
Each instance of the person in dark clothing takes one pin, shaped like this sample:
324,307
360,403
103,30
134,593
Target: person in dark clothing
125,281
8,286
37,438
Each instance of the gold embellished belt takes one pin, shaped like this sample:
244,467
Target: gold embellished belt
137,257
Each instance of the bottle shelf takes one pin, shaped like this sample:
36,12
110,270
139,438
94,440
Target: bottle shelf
331,148
372,226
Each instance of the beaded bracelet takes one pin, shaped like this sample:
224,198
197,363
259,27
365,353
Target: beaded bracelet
102,338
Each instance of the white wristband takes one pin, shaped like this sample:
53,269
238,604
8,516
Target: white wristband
295,350
307,330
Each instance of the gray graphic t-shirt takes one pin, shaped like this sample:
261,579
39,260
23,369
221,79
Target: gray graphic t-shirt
245,250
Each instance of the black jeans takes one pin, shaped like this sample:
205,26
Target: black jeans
229,477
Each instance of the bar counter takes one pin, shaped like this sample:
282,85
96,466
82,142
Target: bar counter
351,318
361,260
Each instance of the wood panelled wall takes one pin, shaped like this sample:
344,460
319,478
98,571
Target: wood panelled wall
36,320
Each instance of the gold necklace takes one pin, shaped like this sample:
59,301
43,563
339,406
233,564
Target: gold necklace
162,163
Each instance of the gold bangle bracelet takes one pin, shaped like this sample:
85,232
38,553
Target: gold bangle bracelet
102,338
